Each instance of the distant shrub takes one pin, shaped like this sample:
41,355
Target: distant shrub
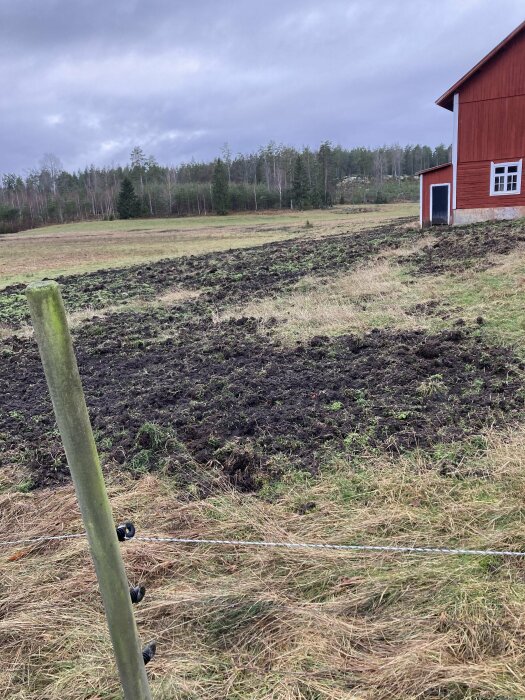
8,213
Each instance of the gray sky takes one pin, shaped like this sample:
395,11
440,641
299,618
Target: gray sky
89,79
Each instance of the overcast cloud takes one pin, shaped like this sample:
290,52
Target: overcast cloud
89,79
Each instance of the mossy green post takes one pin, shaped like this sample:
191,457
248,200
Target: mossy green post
60,366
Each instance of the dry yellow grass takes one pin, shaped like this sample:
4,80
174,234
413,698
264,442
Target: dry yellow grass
354,302
383,293
283,624
375,294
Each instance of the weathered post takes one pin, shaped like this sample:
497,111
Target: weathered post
60,366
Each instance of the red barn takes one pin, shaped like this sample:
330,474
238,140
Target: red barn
484,180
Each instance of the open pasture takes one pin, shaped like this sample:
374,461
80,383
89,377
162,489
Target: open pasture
94,245
363,386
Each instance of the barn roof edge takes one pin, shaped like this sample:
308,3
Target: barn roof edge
434,167
447,98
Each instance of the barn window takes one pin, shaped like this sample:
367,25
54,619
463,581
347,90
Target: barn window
505,178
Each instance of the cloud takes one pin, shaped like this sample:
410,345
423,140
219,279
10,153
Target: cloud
54,119
88,80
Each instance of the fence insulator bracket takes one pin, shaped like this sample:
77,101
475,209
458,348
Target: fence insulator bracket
125,531
149,652
137,593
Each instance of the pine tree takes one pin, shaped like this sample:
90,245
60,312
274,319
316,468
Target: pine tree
128,205
300,186
220,188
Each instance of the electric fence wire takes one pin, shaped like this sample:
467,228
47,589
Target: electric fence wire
399,549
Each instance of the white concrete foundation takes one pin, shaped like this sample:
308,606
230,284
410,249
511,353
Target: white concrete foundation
472,216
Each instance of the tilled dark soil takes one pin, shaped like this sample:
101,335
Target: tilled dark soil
171,389
459,248
226,395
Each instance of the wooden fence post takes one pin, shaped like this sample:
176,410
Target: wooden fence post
60,366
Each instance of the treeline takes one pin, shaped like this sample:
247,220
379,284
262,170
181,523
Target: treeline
274,177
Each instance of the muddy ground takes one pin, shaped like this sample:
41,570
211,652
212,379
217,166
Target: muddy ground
170,389
224,277
463,247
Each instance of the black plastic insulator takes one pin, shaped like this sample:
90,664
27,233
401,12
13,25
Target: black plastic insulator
125,531
149,652
137,593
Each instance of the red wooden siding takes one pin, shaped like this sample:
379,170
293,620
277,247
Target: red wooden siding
473,188
442,176
502,76
491,126
493,129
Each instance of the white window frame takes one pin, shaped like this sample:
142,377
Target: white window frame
440,184
505,192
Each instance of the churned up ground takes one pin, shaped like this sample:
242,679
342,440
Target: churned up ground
354,386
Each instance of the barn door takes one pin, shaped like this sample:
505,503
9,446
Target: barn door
439,202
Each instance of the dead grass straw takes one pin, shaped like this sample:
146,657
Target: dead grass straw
284,624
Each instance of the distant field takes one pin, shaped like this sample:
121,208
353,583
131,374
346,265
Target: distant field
83,247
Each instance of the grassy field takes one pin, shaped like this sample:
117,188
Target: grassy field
73,248
385,294
355,388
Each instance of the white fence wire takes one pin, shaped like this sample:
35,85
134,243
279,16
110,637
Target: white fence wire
396,549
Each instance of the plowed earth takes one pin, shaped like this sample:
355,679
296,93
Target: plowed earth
170,389
224,277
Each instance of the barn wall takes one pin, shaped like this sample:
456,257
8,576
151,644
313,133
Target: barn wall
502,76
473,188
491,130
436,177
